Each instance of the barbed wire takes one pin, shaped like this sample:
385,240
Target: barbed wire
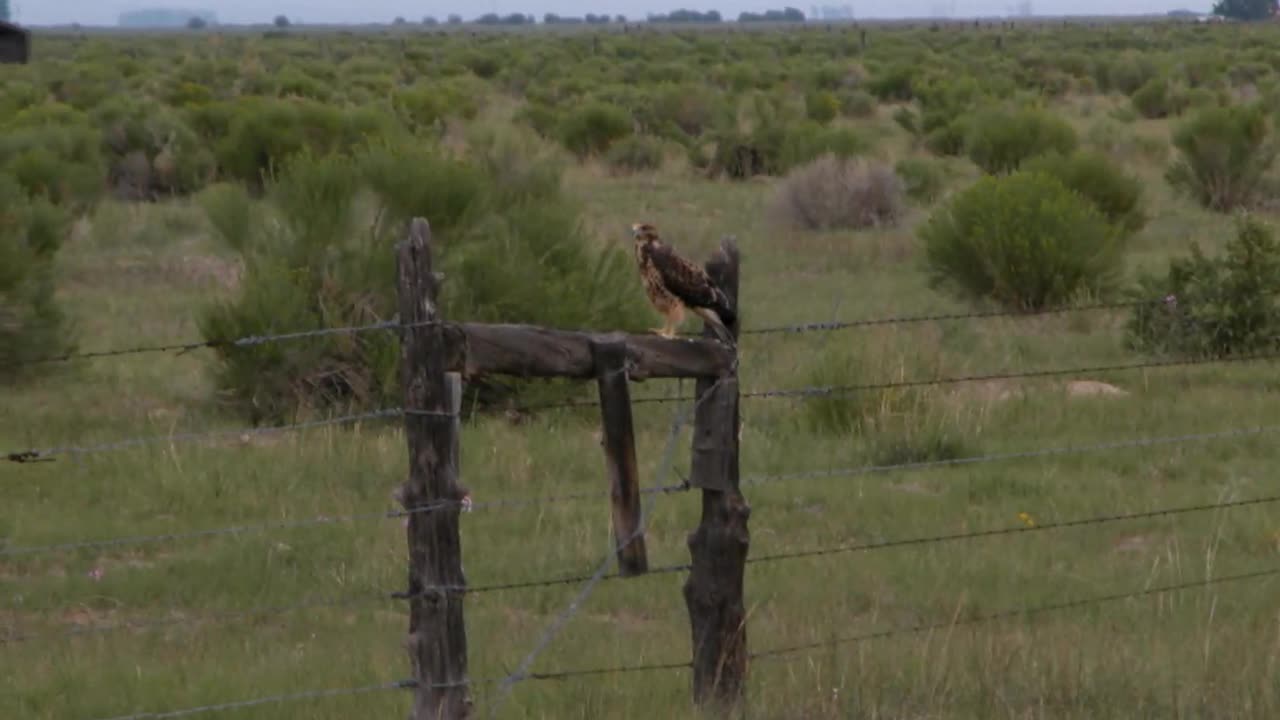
375,596
943,317
259,527
1013,612
997,532
1025,454
825,390
770,654
270,700
46,454
251,340
37,455
684,486
521,672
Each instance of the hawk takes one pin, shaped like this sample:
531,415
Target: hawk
673,283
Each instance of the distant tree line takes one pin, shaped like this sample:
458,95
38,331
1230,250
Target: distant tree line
589,19
687,16
787,14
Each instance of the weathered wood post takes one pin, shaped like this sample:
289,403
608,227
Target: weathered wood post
713,591
610,356
437,640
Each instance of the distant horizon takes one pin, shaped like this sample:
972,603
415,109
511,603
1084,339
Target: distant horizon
470,20
331,13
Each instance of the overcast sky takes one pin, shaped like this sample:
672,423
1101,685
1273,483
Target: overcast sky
105,12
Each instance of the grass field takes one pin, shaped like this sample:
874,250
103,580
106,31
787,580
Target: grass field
135,273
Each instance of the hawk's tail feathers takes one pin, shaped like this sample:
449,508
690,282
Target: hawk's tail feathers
722,308
712,318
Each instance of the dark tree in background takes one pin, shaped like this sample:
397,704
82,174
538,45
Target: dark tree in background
1245,9
4,10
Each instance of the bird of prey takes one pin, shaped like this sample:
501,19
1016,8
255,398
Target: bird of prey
673,283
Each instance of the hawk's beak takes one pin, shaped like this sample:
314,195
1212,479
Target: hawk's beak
635,229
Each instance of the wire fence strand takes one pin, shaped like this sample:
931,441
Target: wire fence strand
1014,612
322,520
270,700
181,347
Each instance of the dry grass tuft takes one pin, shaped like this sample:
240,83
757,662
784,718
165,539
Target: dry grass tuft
839,193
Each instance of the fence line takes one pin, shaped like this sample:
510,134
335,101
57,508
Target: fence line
654,490
769,654
1005,614
251,340
38,454
270,700
941,317
373,596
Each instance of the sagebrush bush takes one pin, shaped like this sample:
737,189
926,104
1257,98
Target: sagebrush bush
151,151
821,106
256,136
923,180
1116,193
638,153
592,128
318,252
1024,240
32,323
1213,306
858,104
1224,154
998,141
1157,99
53,152
834,192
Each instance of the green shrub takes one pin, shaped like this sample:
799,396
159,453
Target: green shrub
998,141
1024,240
821,106
151,151
1213,306
1225,152
805,142
638,153
263,134
1116,193
592,128
318,252
1156,99
923,180
833,192
54,153
32,324
858,104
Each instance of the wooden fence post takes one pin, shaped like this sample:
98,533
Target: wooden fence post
437,640
619,442
713,591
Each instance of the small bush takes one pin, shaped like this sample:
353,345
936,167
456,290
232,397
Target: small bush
638,153
1024,240
821,106
858,104
1156,99
1116,194
592,128
999,141
1213,306
1224,154
834,192
805,142
32,324
923,180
